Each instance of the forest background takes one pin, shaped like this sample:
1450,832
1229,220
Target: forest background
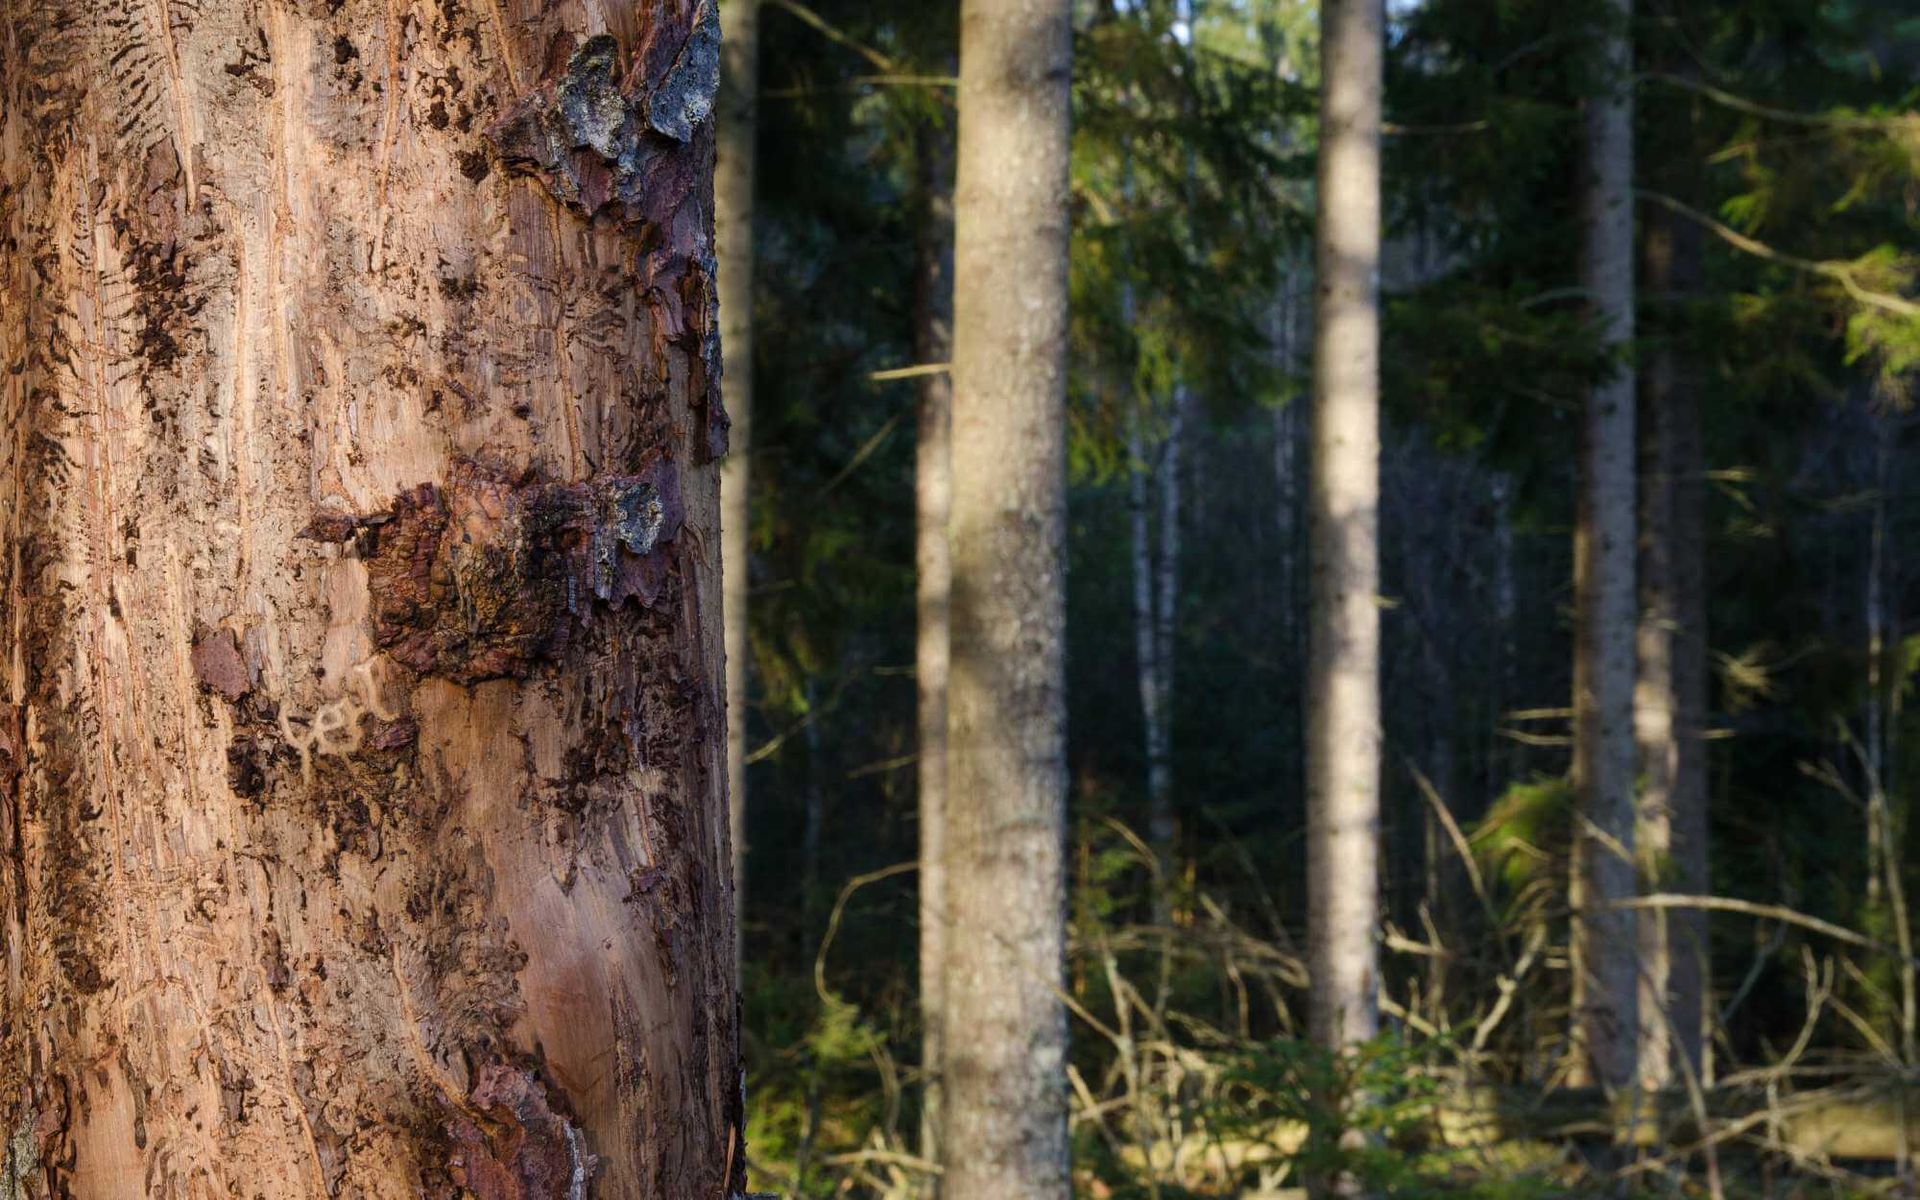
1776,141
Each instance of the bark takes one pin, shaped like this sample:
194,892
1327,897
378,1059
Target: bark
1605,980
1343,659
1670,692
1005,1122
933,563
360,747
737,125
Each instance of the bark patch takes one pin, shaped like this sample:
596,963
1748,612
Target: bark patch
602,140
219,666
526,1151
493,574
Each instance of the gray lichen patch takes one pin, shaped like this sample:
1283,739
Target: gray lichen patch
602,141
22,1158
685,97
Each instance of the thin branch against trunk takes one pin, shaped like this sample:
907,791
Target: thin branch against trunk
1842,273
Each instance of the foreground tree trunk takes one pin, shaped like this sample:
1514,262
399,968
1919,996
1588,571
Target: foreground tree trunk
1605,981
361,739
1006,1126
1670,691
933,565
738,125
1343,636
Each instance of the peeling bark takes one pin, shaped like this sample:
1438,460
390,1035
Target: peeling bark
361,823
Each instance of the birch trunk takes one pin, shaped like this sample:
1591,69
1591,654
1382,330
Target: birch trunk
1005,1093
1153,496
737,125
1343,671
361,742
1670,692
933,563
1605,981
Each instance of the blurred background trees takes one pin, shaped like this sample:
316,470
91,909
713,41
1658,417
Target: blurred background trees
1771,626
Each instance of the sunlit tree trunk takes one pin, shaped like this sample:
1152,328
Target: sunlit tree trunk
1005,1081
933,562
738,125
1343,671
361,742
1670,692
1605,980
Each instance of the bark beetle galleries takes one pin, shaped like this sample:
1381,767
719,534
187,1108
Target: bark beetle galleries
609,147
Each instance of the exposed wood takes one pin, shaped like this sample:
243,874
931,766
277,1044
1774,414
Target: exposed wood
365,835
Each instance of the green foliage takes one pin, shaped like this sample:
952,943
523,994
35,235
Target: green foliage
1525,838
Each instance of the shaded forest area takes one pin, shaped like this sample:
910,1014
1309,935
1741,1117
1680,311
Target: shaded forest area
1758,1037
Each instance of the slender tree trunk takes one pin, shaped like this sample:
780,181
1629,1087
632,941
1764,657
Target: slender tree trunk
1606,983
1506,757
1286,457
933,560
1146,640
1163,827
1156,583
738,124
1005,1094
1670,690
1343,671
361,809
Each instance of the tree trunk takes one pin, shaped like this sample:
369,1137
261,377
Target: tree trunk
933,563
360,753
1670,691
1155,477
1604,977
1006,1127
1343,658
738,124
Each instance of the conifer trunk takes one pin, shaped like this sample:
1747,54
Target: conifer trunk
933,563
738,125
1343,672
361,744
1670,692
1005,1080
1605,979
